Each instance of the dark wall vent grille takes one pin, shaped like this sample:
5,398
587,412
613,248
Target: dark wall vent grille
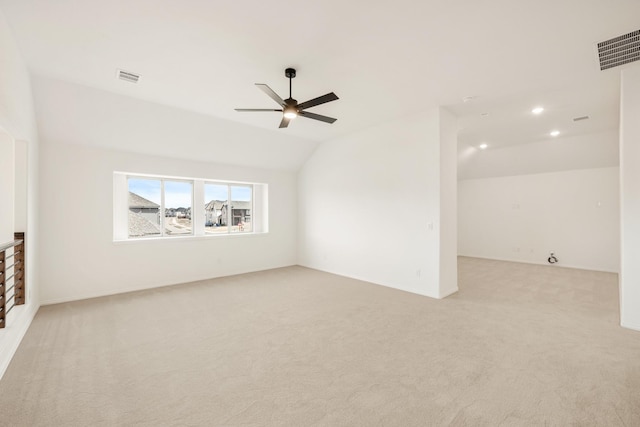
128,76
619,50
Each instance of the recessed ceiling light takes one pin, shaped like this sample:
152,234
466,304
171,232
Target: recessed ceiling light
483,146
469,99
484,114
537,110
554,133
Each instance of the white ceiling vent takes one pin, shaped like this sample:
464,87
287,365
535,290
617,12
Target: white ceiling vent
128,76
619,50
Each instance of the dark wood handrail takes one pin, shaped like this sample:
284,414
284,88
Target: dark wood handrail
17,276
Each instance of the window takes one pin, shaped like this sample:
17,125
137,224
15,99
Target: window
178,198
157,207
228,208
215,197
145,198
240,208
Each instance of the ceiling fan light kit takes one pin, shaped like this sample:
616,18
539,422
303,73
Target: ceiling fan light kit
290,107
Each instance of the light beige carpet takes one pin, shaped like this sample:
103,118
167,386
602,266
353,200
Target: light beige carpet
518,345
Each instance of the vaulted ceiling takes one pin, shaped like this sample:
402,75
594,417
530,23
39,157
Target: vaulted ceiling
383,59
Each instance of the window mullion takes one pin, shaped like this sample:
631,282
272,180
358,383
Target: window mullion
162,208
229,215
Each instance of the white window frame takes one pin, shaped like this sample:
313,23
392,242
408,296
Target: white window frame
162,209
259,211
229,207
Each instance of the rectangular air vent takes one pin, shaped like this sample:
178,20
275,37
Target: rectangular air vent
128,76
619,50
577,119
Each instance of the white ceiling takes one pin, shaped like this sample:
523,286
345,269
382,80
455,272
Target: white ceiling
383,59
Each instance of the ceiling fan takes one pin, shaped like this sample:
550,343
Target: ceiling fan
290,107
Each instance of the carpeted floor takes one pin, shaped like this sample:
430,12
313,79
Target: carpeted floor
518,345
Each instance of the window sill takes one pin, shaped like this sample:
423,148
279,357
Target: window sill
189,238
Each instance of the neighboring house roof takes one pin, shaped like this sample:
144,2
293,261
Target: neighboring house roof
139,202
219,204
141,226
214,205
240,205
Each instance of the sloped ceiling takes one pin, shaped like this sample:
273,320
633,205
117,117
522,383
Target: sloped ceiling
69,113
383,59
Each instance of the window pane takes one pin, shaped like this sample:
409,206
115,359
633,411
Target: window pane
144,207
215,200
178,198
240,209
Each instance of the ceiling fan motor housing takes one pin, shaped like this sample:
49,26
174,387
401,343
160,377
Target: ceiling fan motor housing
290,73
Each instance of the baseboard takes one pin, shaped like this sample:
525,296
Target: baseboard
13,334
448,293
575,267
632,326
125,290
364,279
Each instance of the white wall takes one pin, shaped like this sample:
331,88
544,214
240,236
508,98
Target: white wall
448,204
17,123
574,213
370,205
100,132
630,198
21,187
82,260
7,197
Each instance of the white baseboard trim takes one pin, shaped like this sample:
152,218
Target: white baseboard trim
127,289
364,279
448,293
12,335
632,326
576,267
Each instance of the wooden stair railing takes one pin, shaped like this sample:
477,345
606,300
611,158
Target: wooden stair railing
12,279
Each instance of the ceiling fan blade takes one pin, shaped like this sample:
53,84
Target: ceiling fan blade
317,101
266,89
314,116
284,123
244,110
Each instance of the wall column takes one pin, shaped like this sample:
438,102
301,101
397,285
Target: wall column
630,199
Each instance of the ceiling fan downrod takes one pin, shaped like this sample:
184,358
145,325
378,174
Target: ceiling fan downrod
290,73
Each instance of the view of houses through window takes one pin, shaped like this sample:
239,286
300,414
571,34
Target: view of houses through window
148,198
178,198
163,207
222,216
